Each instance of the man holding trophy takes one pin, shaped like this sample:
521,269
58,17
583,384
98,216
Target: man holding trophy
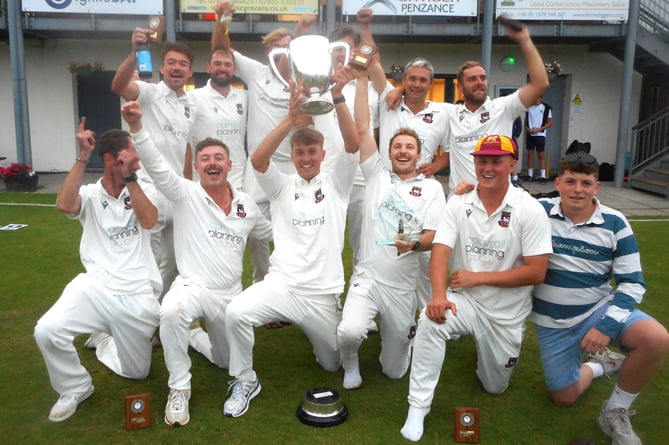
306,275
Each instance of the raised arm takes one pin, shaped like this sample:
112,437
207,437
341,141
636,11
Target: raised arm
68,200
342,76
263,153
376,74
535,65
305,24
122,83
145,211
220,37
362,119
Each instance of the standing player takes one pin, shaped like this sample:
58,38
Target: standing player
220,112
495,243
384,279
116,298
168,113
538,119
577,311
306,275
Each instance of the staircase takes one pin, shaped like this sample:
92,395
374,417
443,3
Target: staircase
649,169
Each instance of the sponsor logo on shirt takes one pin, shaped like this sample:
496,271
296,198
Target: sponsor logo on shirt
117,234
486,247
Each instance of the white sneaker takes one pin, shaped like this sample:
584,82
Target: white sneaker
242,394
176,410
95,339
67,404
615,423
610,360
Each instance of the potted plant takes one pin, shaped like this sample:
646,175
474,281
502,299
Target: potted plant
19,177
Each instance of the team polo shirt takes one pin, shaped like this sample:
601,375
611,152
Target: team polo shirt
169,119
308,220
209,244
114,248
269,102
224,118
482,243
535,117
418,201
585,258
495,116
430,124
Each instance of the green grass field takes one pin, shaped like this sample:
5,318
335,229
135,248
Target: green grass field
38,261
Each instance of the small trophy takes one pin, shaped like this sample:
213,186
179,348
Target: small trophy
137,411
157,26
467,425
363,56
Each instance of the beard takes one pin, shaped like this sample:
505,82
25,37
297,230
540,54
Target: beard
221,82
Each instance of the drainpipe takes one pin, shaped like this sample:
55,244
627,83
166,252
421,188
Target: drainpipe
17,61
486,43
626,91
170,20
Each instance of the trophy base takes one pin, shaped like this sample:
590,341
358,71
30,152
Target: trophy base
316,105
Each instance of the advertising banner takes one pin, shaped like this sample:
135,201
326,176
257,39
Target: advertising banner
452,8
598,10
127,7
255,6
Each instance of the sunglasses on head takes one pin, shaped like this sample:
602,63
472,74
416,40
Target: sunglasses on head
580,156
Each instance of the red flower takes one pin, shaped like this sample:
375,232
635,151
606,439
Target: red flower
16,171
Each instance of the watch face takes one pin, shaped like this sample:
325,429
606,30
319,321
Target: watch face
365,49
154,23
137,406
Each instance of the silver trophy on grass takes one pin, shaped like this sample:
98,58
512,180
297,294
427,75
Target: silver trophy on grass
311,67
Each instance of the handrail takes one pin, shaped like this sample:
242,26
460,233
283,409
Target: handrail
650,141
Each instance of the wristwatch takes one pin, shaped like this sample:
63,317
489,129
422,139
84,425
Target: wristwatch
416,246
131,178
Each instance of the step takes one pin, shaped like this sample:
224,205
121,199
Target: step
661,174
650,185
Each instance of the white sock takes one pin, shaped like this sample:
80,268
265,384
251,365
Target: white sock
413,426
352,378
620,399
514,177
597,369
542,173
530,173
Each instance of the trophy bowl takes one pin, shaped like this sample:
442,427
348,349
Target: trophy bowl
311,68
322,407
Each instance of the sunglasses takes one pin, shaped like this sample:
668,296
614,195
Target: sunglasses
580,156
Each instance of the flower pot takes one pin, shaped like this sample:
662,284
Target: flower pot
28,184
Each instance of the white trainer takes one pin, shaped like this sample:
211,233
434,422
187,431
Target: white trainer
176,410
67,405
610,360
615,423
242,394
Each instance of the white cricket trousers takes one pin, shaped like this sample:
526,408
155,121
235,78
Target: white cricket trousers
396,309
87,306
497,348
269,301
186,302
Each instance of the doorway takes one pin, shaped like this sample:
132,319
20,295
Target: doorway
100,105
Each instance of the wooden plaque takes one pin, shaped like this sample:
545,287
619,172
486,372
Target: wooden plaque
156,24
467,425
137,411
363,56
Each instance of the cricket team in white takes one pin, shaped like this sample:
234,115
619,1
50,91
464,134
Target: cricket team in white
490,243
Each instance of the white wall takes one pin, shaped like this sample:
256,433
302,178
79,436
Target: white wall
596,77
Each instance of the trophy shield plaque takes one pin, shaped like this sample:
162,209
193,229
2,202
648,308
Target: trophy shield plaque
156,24
467,425
363,56
137,411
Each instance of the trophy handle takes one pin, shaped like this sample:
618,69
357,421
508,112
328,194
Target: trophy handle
272,54
337,45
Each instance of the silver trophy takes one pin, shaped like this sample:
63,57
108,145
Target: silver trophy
311,67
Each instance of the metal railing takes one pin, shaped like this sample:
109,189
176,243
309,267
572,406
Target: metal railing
654,17
650,141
